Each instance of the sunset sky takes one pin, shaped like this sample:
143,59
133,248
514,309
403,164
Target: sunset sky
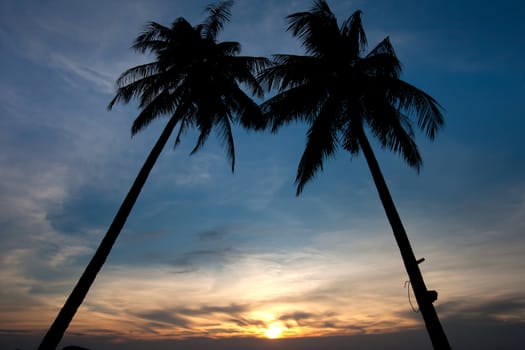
211,259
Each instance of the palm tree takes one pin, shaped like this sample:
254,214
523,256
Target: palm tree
195,82
344,96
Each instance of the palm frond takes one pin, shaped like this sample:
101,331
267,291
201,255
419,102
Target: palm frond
351,140
247,111
379,65
321,143
145,82
382,61
164,103
402,141
225,134
394,132
204,126
228,48
218,15
145,89
139,72
301,103
316,28
289,71
153,33
353,34
256,65
182,130
128,92
422,107
384,47
161,83
244,69
351,124
209,109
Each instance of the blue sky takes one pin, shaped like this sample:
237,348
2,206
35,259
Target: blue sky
209,254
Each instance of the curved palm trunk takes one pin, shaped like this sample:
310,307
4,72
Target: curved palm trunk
424,299
59,326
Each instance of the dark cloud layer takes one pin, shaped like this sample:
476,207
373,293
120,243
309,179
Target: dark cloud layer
488,335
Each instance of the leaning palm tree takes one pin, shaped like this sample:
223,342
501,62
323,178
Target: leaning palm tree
347,96
195,82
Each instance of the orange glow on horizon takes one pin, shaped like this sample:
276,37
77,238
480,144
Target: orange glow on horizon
274,331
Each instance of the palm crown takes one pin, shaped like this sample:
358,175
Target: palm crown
338,90
194,79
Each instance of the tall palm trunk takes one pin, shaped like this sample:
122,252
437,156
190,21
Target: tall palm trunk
66,314
424,299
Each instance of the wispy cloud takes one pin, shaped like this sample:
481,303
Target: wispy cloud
60,41
101,81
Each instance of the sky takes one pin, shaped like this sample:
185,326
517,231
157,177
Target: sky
211,259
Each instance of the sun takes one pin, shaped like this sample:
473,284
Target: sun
274,331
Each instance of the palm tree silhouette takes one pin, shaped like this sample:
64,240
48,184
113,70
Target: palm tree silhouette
341,93
195,82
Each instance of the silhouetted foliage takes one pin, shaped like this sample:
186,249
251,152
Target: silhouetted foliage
343,94
340,92
194,81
